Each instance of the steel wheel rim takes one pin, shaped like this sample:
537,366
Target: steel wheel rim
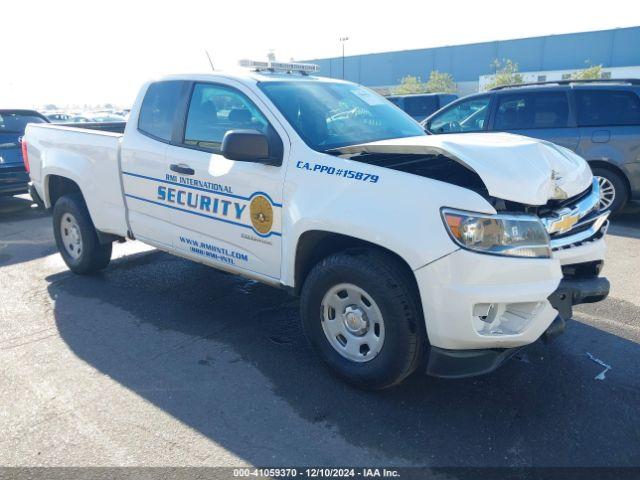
70,235
607,193
352,322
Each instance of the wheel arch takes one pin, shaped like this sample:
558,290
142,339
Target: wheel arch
56,186
614,168
315,245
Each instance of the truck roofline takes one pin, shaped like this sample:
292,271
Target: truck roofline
249,75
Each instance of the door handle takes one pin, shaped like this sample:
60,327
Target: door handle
181,168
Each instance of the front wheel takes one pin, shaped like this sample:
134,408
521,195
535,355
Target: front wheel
76,237
362,314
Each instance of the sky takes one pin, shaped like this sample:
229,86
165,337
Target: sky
76,52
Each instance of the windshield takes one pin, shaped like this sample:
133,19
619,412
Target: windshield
332,115
14,122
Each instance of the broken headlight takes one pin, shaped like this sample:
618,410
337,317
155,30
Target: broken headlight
509,235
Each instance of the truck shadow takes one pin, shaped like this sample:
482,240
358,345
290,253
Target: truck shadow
24,232
195,335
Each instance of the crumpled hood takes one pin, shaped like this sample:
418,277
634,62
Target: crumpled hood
512,167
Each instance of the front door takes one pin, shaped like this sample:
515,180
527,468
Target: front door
225,213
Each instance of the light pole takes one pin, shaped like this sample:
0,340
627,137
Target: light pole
342,40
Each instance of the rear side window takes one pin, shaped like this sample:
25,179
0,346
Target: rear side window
16,122
396,101
607,107
158,109
532,110
421,106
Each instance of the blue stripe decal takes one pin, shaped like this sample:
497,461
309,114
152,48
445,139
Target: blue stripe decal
239,197
203,215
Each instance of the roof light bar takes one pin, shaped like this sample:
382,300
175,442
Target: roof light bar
280,66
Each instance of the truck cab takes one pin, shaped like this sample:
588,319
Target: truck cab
406,249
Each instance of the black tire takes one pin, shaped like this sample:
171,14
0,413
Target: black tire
392,288
93,256
619,185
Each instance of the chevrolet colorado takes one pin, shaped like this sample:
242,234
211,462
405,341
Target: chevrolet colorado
406,249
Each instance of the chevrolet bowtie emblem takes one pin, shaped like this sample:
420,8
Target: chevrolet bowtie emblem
563,224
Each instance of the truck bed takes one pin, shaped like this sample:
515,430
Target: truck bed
90,156
114,127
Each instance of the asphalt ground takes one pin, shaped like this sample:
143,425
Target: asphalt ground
158,361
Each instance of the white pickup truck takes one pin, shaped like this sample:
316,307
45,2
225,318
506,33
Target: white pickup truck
448,251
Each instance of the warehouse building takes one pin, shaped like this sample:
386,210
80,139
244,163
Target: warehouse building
551,57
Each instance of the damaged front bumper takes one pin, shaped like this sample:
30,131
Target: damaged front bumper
573,290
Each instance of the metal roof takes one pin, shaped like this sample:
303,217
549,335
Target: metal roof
611,48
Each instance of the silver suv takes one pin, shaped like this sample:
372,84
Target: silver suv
598,119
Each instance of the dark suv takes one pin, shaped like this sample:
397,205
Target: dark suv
13,175
597,119
420,105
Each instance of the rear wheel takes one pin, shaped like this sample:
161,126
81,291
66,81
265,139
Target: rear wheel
361,312
613,190
76,237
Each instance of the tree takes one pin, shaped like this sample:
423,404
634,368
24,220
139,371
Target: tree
410,84
593,72
506,74
441,82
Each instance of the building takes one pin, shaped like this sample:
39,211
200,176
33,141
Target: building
551,57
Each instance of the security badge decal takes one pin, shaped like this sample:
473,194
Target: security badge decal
261,214
221,205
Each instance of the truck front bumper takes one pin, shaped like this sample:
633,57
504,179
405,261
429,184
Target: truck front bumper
532,297
446,363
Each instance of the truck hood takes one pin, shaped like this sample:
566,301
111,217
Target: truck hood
512,167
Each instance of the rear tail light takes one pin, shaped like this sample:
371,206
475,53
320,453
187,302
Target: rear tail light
25,156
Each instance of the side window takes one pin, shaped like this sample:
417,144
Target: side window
158,109
417,106
607,107
466,116
396,101
216,109
532,110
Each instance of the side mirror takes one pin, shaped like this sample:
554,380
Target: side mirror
246,146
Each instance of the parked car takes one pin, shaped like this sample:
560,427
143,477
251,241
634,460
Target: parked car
597,119
13,175
78,119
420,105
404,247
103,117
59,117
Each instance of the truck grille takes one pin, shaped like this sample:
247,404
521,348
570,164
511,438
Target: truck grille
577,220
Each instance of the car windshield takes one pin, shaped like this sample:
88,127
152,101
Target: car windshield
16,122
332,115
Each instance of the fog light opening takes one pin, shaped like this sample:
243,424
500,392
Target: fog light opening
498,319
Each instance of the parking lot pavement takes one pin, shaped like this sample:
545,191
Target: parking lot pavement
159,361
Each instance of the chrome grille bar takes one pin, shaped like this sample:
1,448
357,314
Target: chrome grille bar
582,236
565,219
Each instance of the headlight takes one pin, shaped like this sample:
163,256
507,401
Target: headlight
510,235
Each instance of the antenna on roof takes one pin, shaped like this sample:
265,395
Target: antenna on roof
210,62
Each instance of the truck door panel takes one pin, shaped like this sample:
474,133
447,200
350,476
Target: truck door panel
226,213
